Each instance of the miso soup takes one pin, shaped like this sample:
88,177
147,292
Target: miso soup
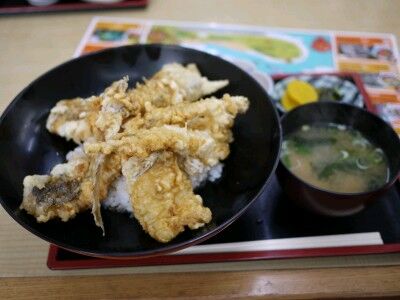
335,157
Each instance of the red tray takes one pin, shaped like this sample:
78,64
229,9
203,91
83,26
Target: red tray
60,259
22,7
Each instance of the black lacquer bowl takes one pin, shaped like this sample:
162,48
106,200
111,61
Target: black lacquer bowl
376,130
26,147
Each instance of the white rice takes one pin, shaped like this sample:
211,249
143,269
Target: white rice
199,173
215,172
118,197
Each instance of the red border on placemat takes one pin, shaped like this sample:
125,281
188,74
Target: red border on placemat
54,263
70,7
93,262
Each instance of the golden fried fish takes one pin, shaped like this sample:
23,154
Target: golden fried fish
157,134
116,105
162,196
71,187
75,119
216,116
173,84
100,117
182,141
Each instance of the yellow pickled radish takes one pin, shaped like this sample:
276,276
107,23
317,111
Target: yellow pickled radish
301,92
288,103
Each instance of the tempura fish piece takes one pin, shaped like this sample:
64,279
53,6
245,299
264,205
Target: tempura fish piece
95,117
100,117
75,119
201,115
216,116
162,197
182,141
173,84
58,194
103,171
71,187
117,104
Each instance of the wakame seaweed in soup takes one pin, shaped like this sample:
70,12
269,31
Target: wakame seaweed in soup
335,157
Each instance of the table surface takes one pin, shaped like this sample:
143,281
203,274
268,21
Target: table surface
32,44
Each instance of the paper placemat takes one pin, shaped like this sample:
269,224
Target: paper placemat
264,51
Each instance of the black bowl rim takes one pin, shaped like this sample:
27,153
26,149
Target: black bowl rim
168,248
389,183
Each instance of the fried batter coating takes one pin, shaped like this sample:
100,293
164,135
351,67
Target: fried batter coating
75,119
201,115
182,141
162,196
71,187
100,117
173,84
216,116
117,105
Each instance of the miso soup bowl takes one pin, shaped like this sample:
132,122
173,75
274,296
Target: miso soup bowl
372,127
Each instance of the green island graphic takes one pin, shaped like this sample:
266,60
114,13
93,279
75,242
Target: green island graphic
272,47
